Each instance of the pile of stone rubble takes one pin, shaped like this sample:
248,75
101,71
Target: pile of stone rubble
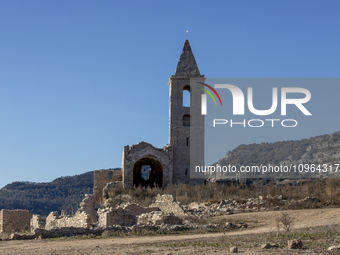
164,215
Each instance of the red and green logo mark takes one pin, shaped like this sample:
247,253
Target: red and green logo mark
204,97
209,93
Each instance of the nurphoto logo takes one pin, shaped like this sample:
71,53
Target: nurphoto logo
239,105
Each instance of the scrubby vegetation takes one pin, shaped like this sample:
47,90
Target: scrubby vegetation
326,190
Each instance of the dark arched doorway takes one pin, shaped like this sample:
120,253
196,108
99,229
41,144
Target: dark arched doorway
147,172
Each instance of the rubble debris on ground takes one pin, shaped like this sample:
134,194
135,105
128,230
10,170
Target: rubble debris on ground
164,215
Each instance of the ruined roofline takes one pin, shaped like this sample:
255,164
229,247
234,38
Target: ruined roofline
142,145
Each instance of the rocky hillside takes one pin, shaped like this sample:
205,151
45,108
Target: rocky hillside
305,158
64,193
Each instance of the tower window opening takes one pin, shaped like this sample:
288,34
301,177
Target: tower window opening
186,96
187,141
186,120
186,171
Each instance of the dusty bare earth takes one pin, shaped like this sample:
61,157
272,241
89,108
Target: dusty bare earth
262,225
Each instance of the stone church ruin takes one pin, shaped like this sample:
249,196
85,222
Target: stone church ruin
145,165
142,165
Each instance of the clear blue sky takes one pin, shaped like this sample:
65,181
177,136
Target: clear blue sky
81,79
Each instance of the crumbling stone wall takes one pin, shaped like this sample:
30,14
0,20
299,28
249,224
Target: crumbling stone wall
15,221
88,206
80,219
37,222
142,151
101,178
115,216
84,217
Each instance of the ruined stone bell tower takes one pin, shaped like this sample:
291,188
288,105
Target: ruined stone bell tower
145,165
186,124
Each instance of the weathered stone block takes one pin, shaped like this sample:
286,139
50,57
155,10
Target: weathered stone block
15,221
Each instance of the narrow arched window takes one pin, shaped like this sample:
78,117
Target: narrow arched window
186,120
187,141
186,96
186,171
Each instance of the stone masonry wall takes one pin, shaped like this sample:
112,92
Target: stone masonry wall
145,150
187,140
115,216
37,222
88,206
101,178
15,220
80,219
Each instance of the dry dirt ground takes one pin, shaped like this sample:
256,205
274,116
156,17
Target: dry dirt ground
262,225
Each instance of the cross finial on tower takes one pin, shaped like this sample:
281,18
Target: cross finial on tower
187,34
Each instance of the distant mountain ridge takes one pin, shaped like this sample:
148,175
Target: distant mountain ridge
64,193
319,150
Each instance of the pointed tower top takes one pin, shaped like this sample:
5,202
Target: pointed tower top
187,66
